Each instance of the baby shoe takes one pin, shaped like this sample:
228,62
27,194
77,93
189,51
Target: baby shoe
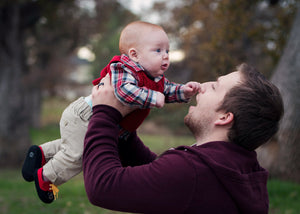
47,191
34,159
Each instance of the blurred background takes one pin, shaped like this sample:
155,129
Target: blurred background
50,51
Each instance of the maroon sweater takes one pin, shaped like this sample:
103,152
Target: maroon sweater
216,177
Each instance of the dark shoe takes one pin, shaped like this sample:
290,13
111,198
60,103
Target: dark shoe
34,160
44,188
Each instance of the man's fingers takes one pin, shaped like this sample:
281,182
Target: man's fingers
95,88
106,80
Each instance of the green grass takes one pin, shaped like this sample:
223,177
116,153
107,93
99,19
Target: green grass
284,197
18,196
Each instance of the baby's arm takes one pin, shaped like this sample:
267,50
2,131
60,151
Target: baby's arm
160,100
128,92
191,88
175,92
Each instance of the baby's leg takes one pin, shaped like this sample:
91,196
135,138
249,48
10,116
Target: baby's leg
67,162
51,148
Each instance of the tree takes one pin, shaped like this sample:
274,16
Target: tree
218,35
37,39
14,94
105,44
282,155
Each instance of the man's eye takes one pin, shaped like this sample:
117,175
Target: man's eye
213,86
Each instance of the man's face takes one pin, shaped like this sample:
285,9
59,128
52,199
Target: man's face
200,118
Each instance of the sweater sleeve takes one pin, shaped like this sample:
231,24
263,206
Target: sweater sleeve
163,185
133,152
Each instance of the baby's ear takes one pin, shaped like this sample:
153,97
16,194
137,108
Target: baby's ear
133,55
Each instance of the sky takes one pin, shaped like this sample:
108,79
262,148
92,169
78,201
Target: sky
137,5
141,8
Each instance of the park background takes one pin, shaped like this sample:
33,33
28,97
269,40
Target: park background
51,50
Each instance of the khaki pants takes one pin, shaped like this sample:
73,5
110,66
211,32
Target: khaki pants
64,156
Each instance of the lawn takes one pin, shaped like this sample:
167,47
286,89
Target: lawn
18,196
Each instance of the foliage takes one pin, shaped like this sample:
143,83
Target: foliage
37,46
68,25
171,116
218,35
105,44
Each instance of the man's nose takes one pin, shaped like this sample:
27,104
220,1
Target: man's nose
205,86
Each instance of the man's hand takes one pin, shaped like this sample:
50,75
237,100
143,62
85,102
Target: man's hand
103,94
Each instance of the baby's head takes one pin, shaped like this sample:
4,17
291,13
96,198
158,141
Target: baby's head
146,44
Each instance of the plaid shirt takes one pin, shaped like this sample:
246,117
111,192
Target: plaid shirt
127,89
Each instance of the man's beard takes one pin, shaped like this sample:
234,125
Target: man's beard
198,127
193,126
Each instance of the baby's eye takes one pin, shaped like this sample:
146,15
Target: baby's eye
167,51
158,50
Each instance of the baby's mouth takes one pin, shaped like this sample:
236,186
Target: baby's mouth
164,66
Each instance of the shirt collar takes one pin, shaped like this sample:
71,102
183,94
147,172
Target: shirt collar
137,67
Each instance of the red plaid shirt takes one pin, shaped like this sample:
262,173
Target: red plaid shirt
126,80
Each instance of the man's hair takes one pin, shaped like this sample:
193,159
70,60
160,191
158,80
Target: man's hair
257,107
133,32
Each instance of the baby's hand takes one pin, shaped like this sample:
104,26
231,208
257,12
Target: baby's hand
191,88
160,100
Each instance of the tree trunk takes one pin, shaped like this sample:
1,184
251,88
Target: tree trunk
14,117
282,156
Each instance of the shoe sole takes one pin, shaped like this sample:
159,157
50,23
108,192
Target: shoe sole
32,162
45,196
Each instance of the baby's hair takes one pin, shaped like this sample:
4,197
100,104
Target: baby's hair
131,34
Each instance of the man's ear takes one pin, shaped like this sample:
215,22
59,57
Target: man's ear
224,119
133,55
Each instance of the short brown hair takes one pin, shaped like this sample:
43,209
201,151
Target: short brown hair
257,107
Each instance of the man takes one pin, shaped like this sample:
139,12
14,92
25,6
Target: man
218,174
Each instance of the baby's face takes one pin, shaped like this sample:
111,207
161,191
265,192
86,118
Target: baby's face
153,52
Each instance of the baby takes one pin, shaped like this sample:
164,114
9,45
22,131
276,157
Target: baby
138,79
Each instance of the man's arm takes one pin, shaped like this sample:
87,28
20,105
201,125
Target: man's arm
133,152
164,185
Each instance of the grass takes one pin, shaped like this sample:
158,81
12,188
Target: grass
284,197
18,196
